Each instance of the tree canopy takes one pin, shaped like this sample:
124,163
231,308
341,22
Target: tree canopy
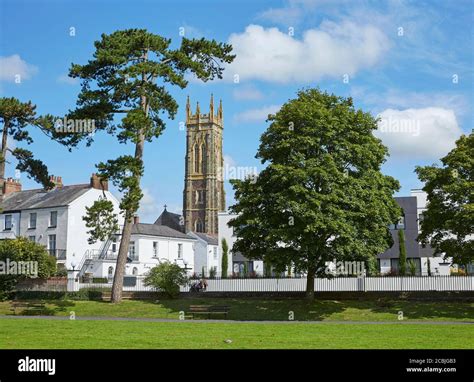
129,76
448,223
322,195
16,118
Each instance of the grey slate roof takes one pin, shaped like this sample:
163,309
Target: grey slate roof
39,198
211,240
171,220
158,230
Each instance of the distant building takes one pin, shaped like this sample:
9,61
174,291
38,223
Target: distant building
388,262
237,262
203,194
53,217
207,256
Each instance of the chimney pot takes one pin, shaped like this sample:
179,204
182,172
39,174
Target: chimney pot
136,219
57,181
98,183
10,186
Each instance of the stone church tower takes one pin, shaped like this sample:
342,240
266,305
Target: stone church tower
203,182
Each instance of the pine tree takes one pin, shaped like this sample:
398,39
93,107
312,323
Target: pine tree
128,76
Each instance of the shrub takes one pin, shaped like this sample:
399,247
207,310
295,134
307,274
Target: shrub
225,258
246,269
167,277
61,272
212,273
23,250
100,280
412,267
402,252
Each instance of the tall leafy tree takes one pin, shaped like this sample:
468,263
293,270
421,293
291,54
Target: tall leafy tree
128,76
16,118
448,222
321,196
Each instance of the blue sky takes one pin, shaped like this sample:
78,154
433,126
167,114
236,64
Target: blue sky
411,63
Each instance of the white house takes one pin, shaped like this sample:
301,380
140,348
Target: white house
207,257
53,217
150,244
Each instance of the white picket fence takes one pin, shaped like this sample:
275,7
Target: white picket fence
340,284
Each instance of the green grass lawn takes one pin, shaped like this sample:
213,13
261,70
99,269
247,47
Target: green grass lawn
68,334
270,309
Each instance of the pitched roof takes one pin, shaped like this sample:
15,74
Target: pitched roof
158,230
40,198
171,220
211,240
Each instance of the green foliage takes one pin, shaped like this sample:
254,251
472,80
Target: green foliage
212,273
122,79
16,116
60,272
267,269
225,258
167,277
23,250
448,222
101,219
203,271
412,267
322,195
402,251
127,76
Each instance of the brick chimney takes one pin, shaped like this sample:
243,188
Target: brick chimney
10,186
99,184
57,181
136,219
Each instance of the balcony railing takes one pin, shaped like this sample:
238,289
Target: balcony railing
59,254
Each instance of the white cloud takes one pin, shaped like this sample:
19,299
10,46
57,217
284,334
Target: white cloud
13,69
256,115
149,209
229,161
427,133
247,93
331,50
398,99
286,16
65,79
190,31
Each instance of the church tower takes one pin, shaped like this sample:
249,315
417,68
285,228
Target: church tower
203,182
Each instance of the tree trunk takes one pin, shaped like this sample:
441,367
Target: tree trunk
121,261
127,227
310,284
3,159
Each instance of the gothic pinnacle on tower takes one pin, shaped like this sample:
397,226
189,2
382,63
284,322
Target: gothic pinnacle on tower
188,110
211,108
219,111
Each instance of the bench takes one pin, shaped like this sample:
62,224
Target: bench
27,305
209,310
